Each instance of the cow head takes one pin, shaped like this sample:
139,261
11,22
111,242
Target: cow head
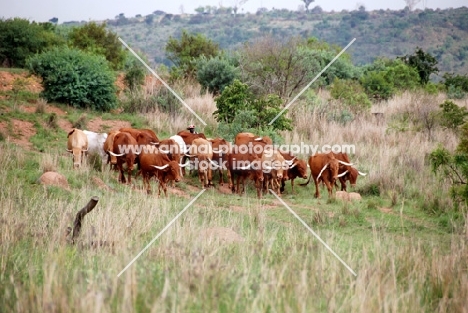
77,156
300,168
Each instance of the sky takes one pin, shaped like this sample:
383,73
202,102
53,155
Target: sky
96,10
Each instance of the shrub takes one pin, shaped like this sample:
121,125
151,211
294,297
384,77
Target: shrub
238,98
134,75
351,93
457,85
452,116
74,77
214,74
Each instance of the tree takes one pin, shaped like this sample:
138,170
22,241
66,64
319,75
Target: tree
307,3
424,63
96,39
411,4
75,77
273,66
183,52
20,39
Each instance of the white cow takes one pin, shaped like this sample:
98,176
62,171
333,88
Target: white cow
183,149
96,144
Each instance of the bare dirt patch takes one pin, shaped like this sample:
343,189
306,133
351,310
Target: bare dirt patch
385,210
178,192
22,132
99,125
49,109
65,125
30,82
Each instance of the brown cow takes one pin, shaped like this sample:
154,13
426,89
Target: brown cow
245,165
188,137
324,167
135,132
297,168
221,149
274,168
125,150
77,144
254,143
109,145
159,165
350,173
201,152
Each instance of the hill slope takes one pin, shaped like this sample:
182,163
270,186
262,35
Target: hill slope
443,33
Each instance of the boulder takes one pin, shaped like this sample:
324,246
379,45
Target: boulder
54,179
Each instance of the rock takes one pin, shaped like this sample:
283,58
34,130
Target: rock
54,179
345,196
354,196
342,195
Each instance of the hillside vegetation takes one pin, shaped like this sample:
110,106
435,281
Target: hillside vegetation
442,33
230,253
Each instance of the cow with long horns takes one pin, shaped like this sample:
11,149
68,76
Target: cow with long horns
77,144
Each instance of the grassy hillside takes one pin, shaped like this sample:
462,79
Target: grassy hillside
443,33
230,253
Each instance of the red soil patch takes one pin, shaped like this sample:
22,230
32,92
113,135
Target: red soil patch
49,109
98,125
22,131
30,82
54,179
65,125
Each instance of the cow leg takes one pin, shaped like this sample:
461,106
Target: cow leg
330,188
343,183
317,192
283,184
292,185
258,184
129,172
231,185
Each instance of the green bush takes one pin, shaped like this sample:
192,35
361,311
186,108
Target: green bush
74,77
351,93
377,86
238,98
134,74
214,74
456,85
452,116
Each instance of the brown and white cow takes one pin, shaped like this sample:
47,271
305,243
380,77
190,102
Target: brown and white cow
77,144
244,166
125,149
159,165
324,167
351,173
297,168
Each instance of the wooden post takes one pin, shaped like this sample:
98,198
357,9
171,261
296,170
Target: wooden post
81,214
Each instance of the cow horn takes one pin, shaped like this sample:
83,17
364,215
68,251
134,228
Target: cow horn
115,154
184,165
258,139
137,153
160,167
344,163
243,168
288,162
217,151
292,166
190,155
154,143
214,163
362,174
69,150
342,174
320,174
164,151
308,165
85,150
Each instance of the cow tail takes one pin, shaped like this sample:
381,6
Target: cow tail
305,184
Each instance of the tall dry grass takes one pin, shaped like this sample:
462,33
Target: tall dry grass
277,267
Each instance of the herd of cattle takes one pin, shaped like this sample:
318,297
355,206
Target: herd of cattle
166,160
